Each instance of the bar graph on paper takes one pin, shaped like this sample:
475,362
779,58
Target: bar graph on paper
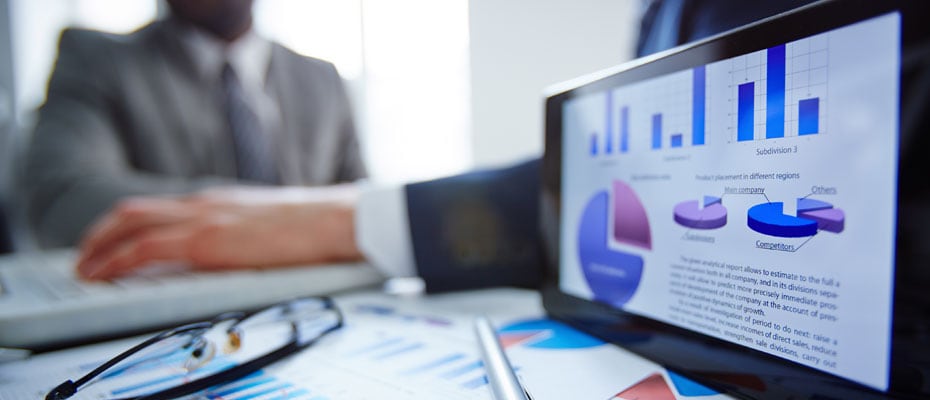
387,354
381,353
780,91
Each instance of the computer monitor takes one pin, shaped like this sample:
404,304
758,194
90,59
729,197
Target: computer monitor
741,209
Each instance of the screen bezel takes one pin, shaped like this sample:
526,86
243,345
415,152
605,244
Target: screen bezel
700,356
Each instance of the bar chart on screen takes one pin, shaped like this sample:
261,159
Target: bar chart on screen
780,91
654,115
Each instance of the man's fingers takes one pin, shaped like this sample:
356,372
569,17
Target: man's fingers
128,218
164,244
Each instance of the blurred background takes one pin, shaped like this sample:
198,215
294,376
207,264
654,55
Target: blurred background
439,87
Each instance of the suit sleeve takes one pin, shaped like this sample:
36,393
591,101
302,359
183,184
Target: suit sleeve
478,229
77,165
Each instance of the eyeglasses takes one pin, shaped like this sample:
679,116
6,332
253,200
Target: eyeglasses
276,332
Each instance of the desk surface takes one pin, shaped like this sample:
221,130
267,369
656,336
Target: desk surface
413,347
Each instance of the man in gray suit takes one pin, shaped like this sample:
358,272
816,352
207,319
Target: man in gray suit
464,231
191,102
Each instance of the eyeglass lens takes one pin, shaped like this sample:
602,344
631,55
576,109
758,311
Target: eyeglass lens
186,356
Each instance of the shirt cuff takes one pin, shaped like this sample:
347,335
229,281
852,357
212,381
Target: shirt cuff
382,230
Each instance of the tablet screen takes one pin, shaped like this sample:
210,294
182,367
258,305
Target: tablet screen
751,199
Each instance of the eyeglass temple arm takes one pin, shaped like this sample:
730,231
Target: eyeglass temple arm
68,388
63,391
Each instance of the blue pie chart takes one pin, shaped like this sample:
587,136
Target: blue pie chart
769,219
812,215
612,275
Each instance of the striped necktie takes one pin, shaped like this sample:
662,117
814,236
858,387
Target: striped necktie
252,147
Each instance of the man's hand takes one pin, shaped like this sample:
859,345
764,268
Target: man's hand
223,229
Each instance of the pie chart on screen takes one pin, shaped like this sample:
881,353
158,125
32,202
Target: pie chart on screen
707,213
613,275
812,215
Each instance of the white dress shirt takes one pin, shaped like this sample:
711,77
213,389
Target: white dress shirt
249,56
382,230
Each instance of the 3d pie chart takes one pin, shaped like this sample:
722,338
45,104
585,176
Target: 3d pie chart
813,215
613,275
708,213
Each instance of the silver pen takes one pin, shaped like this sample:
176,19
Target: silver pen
504,383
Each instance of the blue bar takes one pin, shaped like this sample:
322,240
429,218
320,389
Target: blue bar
745,110
455,373
656,131
697,108
435,364
476,383
402,350
609,129
264,392
594,144
676,140
775,104
376,346
809,116
239,387
624,129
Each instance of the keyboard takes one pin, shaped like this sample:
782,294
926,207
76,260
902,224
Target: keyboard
44,304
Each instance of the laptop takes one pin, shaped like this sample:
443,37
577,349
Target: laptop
43,305
750,210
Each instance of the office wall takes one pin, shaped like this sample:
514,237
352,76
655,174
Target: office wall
518,47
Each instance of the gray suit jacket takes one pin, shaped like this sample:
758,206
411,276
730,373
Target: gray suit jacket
128,115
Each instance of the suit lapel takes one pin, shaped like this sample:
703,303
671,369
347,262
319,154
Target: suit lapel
284,85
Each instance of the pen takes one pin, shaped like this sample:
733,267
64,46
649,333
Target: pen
504,383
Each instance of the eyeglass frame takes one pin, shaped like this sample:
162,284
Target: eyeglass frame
69,388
